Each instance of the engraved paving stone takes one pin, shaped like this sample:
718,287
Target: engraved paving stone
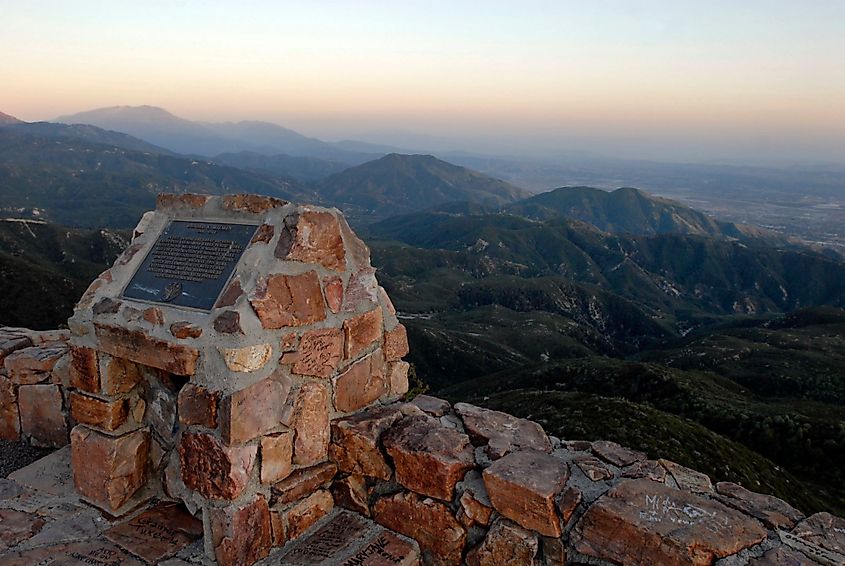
190,263
158,533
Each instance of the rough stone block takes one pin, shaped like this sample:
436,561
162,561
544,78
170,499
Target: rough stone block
523,487
688,479
184,330
10,424
333,290
361,331
351,493
197,405
642,522
429,458
118,376
288,300
500,432
276,457
616,454
240,534
429,522
34,364
107,415
396,343
255,410
17,527
314,237
213,470
773,512
302,482
431,405
361,384
319,352
139,347
397,377
84,369
109,470
505,543
42,415
253,204
355,441
311,440
301,516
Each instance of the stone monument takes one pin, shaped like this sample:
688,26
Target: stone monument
208,362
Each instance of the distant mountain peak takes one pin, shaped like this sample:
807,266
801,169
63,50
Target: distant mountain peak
7,119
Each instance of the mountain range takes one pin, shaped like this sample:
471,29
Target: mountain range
208,139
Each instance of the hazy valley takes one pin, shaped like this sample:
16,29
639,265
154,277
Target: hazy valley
713,340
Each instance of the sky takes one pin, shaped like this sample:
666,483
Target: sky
750,81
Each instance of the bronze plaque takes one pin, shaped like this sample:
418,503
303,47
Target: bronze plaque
190,263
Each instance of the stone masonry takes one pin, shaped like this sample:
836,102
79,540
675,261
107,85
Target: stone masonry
273,429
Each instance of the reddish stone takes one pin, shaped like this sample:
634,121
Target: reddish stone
397,377
351,493
264,234
118,376
568,502
10,424
311,440
824,531
95,551
431,405
289,342
502,433
183,330
124,258
357,252
28,366
593,468
429,522
228,322
255,410
477,511
154,316
396,343
385,301
642,522
212,469
255,204
523,486
773,512
301,516
302,482
688,479
288,300
355,441
198,406
231,295
41,414
187,200
107,415
108,470
616,454
316,238
650,469
84,369
505,543
158,533
361,384
361,331
333,289
10,342
241,534
319,352
276,457
429,457
16,527
361,289
137,346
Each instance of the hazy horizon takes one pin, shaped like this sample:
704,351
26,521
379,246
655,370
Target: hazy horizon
760,82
